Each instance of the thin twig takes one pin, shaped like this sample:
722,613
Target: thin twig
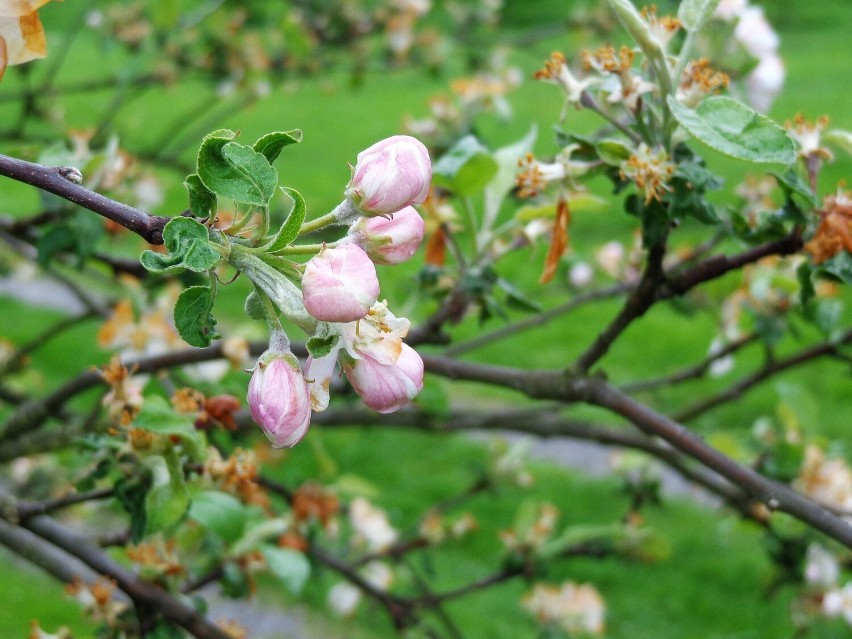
690,372
510,330
771,368
55,180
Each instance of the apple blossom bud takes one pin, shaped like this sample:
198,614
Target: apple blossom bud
390,175
340,284
386,387
389,240
278,398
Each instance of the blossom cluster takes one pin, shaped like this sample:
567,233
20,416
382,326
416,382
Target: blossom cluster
339,294
754,33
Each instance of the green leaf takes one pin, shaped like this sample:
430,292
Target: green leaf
826,315
840,139
694,13
736,130
254,307
194,323
159,416
613,152
515,297
289,231
466,168
838,267
79,236
271,144
290,566
131,492
234,170
806,285
325,338
188,243
168,498
220,513
507,168
792,183
688,184
321,346
202,201
654,216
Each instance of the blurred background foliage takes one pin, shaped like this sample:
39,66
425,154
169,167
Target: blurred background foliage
151,79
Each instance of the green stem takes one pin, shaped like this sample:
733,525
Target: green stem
320,223
306,249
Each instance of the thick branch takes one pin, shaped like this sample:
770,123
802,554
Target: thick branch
54,180
656,286
637,304
776,496
556,385
37,551
142,594
547,422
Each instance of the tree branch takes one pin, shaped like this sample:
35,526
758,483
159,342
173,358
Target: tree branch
55,180
537,320
690,372
769,369
556,385
141,593
776,496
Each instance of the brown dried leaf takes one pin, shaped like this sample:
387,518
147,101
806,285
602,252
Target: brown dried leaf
18,8
558,241
436,248
23,37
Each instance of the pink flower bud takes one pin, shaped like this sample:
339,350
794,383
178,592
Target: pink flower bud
386,387
390,175
278,398
340,284
389,240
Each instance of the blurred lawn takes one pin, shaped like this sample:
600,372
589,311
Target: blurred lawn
715,569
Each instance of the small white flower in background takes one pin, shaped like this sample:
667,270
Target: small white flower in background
827,481
755,33
662,28
610,256
556,72
508,461
581,274
343,598
727,10
821,567
630,91
839,603
764,83
758,37
576,608
371,524
721,365
148,193
378,575
534,176
37,633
